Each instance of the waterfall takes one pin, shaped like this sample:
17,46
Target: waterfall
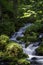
30,50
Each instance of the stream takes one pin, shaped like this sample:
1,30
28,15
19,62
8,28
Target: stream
30,50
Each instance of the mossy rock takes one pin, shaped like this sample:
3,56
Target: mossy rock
15,49
1,54
4,40
23,62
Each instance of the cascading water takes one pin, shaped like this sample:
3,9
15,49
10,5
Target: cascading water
30,50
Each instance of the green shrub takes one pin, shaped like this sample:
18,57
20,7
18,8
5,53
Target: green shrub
36,27
3,41
32,37
13,54
15,50
23,62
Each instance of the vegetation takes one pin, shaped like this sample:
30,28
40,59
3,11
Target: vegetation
13,15
11,52
32,33
3,41
14,12
39,50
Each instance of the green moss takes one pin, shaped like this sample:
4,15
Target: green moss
1,54
13,44
12,52
23,62
4,38
3,41
14,49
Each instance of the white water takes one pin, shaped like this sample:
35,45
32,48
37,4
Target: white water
19,33
30,50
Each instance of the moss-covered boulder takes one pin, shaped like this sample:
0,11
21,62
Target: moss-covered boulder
4,40
12,52
14,49
23,62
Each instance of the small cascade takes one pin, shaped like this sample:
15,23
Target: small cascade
30,50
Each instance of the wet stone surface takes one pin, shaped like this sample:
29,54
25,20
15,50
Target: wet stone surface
36,63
